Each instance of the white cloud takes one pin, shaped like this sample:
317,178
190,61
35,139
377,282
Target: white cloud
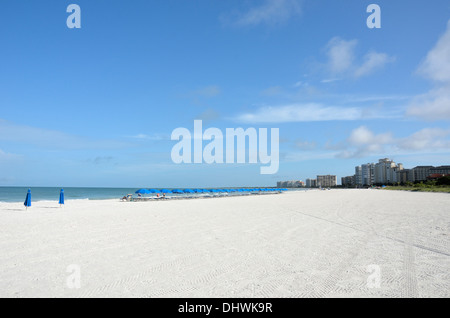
304,113
437,63
341,54
373,61
364,142
428,138
342,59
435,105
271,12
363,136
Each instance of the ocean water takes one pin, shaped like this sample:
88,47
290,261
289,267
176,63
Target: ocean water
18,194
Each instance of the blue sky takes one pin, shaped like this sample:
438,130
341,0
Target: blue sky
96,106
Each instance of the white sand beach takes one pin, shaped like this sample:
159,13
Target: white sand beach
296,244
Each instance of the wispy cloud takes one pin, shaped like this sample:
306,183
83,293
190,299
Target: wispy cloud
305,145
154,137
343,61
208,91
435,105
306,113
208,115
270,12
427,138
437,63
330,80
272,91
372,62
5,156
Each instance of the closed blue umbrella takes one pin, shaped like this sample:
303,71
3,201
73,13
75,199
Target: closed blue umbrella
27,202
61,197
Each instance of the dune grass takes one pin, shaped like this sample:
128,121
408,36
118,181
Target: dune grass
445,189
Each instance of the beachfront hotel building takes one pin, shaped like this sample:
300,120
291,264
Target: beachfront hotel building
420,173
404,175
290,184
368,173
311,183
326,181
348,182
386,171
444,170
358,176
365,174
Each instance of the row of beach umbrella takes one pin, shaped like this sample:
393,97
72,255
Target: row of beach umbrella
193,191
27,202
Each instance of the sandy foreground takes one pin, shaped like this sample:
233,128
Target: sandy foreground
338,243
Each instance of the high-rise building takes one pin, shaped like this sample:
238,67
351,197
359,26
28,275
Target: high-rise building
440,170
348,182
326,181
358,176
403,175
368,174
311,183
421,172
290,184
383,173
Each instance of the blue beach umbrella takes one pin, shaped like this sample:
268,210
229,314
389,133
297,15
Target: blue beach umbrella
166,191
61,197
27,202
142,191
154,191
188,191
177,191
